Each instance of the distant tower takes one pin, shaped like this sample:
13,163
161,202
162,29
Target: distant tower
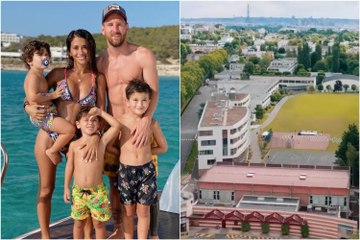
248,13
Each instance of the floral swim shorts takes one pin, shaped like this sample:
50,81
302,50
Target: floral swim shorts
137,184
47,122
90,201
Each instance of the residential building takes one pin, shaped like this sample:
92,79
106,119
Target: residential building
223,130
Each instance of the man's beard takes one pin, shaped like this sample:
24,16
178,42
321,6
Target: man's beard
117,43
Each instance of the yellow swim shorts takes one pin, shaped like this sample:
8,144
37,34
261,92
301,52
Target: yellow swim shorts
90,201
111,164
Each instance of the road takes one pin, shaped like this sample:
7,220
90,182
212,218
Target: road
190,120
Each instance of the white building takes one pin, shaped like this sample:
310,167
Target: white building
283,65
344,78
295,83
10,37
186,32
223,130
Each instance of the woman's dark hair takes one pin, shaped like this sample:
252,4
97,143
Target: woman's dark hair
32,47
90,44
137,86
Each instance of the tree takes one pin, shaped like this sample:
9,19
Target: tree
320,77
184,51
249,68
313,60
311,89
338,86
320,87
348,152
319,66
305,55
281,50
346,86
259,111
328,87
353,87
335,58
318,50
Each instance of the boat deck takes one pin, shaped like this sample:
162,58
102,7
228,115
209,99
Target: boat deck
63,229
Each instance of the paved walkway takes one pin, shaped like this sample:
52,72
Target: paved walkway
254,144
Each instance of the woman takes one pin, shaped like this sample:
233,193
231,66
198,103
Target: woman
82,85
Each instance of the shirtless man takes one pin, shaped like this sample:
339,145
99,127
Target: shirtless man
121,63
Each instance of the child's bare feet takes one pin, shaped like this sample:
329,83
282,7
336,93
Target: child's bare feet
154,237
54,156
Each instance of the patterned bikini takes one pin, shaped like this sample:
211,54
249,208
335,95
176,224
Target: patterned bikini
89,100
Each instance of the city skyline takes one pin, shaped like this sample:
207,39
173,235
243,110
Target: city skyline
59,18
286,9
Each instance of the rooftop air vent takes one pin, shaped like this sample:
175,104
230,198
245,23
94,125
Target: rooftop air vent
250,174
302,176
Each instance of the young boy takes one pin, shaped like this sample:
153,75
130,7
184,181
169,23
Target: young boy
137,175
36,56
89,194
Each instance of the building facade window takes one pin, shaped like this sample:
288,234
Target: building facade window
211,161
232,196
329,200
326,200
200,194
206,152
208,142
206,133
311,200
225,142
345,201
216,195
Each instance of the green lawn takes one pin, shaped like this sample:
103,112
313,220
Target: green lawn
322,112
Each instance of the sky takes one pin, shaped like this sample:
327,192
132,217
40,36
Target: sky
32,18
298,9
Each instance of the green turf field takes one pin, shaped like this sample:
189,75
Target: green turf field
322,112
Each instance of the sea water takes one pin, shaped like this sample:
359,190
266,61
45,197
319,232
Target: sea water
20,187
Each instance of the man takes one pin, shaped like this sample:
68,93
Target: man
121,63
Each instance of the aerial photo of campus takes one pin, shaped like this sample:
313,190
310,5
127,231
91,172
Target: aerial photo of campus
269,119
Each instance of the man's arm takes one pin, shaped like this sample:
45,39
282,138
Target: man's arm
101,91
69,170
147,62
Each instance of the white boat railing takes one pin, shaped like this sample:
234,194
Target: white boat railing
170,196
6,162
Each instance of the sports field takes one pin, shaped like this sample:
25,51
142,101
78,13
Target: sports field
322,112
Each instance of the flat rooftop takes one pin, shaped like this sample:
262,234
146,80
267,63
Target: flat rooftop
269,203
257,88
217,96
217,114
277,176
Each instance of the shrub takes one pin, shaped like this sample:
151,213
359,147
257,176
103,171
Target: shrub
265,227
305,230
245,226
285,229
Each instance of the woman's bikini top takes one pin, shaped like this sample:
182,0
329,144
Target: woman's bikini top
89,100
